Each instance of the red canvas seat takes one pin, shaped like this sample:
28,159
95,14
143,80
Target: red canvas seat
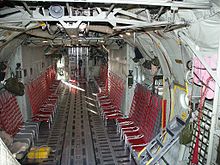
149,125
135,112
110,97
139,127
11,119
43,96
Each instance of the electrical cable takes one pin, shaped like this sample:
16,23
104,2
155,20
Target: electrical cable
201,81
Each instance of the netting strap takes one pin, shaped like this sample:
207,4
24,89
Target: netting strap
195,158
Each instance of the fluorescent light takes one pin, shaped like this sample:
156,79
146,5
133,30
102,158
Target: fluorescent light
45,41
128,33
90,98
92,111
82,26
73,86
89,103
121,35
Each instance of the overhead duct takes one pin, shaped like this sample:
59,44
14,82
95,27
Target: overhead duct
101,29
71,29
40,33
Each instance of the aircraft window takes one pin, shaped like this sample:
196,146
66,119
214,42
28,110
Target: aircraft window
157,84
31,71
136,74
142,77
25,72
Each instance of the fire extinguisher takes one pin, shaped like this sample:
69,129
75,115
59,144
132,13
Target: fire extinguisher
130,79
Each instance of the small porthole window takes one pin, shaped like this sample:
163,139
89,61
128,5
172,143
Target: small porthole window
25,72
31,71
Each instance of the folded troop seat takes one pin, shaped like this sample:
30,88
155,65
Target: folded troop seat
12,124
43,96
110,101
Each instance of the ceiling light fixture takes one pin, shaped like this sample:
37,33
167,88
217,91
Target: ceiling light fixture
82,26
128,33
73,36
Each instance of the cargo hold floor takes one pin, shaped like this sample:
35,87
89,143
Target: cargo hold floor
78,135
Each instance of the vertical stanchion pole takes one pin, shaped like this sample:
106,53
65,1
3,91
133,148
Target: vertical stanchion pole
216,106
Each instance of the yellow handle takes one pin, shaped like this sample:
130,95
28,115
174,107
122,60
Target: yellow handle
149,161
139,154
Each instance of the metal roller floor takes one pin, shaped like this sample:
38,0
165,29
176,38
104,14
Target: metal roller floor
78,135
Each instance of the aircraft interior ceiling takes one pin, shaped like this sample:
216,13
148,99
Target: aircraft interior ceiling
181,36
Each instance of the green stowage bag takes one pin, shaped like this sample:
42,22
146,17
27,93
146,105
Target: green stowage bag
186,134
14,86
